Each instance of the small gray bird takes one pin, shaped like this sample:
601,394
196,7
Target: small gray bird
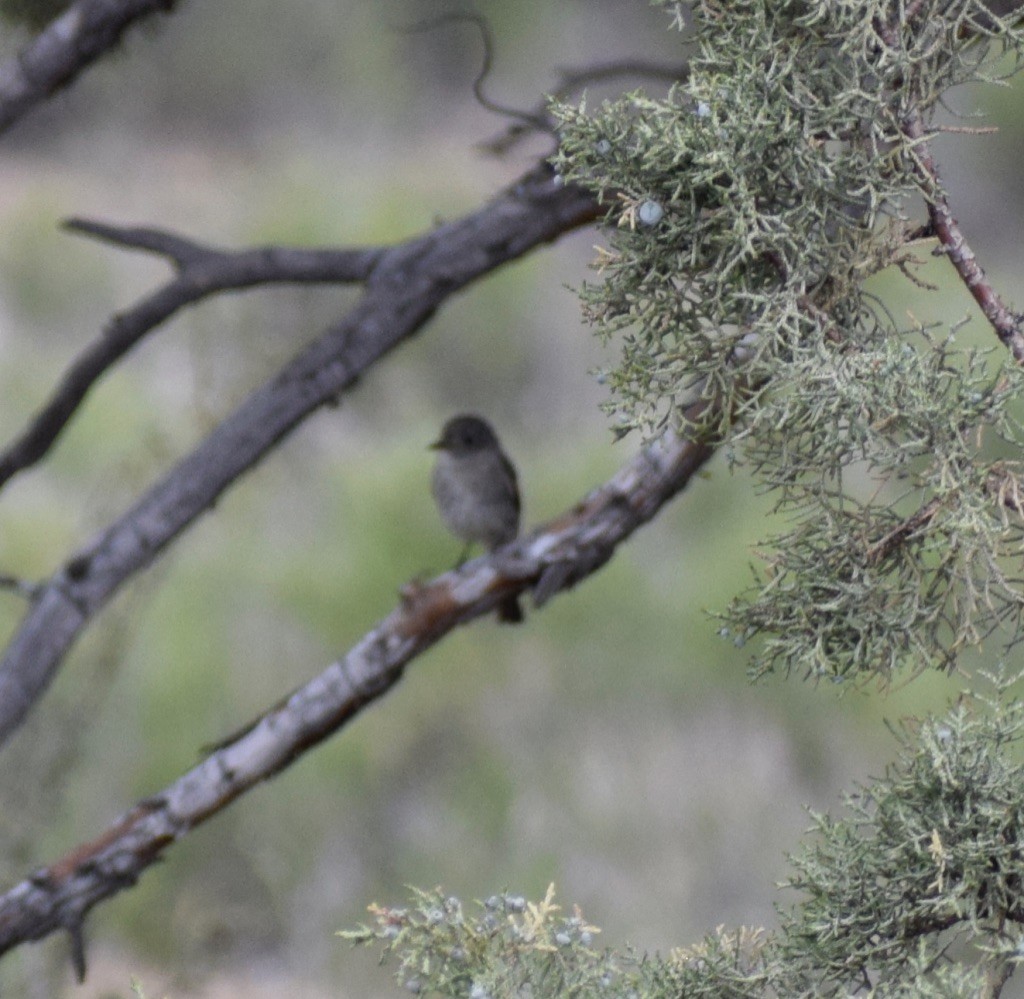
474,486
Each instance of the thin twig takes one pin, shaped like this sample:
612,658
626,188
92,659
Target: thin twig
954,245
943,225
20,586
572,81
538,119
526,119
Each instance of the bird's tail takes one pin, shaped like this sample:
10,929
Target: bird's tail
509,611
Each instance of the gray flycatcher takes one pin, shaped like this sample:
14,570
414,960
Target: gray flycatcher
474,486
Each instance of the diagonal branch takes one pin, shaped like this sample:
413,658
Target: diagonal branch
408,283
201,271
941,222
64,48
553,558
953,244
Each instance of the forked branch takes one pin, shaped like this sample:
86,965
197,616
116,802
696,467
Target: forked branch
404,286
200,272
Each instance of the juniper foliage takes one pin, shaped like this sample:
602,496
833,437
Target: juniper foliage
915,890
746,211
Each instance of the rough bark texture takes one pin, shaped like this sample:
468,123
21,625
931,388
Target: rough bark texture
551,559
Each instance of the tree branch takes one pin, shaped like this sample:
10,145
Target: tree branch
538,118
954,244
62,50
202,271
941,221
408,283
552,558
527,120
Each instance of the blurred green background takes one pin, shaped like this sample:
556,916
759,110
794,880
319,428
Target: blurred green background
611,745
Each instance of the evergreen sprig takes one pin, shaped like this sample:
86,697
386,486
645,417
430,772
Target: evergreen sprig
746,210
926,868
916,890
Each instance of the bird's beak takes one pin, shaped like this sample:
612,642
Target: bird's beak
436,446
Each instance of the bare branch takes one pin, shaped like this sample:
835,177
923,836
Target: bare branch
569,549
941,221
178,249
21,587
226,269
408,283
954,244
570,81
202,271
62,50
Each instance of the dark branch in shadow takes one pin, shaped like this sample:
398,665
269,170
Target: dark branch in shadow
201,272
405,284
571,82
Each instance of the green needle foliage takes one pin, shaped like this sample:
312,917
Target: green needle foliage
746,210
917,890
926,866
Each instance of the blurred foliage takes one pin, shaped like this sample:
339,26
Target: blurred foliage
32,14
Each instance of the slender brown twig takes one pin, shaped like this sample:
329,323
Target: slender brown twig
954,245
943,225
